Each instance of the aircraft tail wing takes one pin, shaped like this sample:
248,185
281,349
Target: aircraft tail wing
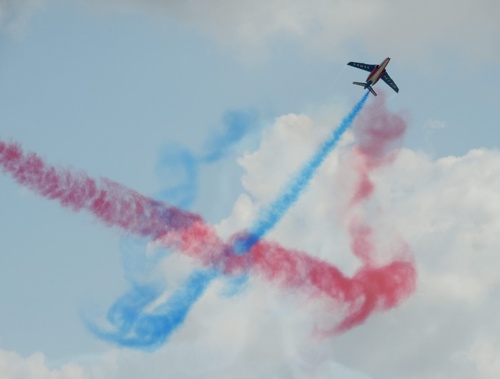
366,86
387,79
362,66
372,91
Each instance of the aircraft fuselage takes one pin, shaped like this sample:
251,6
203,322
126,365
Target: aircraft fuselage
377,72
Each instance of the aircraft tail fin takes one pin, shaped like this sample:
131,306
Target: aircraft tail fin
366,86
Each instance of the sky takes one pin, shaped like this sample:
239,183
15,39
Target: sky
213,107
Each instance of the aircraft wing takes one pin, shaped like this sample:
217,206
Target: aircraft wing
386,78
362,66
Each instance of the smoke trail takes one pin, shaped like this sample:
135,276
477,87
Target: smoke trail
135,326
236,124
378,136
179,168
109,201
136,318
270,216
371,288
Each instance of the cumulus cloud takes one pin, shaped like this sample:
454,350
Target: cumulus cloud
448,212
35,366
445,209
408,30
249,336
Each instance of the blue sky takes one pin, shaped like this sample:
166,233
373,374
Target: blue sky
104,88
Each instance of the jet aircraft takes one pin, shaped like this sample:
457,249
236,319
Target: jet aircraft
377,71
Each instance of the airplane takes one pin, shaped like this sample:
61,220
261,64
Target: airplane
377,71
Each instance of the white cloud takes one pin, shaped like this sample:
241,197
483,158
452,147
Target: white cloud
412,31
284,148
35,366
249,336
446,209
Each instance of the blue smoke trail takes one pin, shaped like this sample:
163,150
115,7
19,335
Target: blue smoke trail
179,168
178,164
270,216
135,326
236,124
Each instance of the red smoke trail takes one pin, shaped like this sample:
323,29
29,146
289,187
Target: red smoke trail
379,136
110,202
371,288
378,139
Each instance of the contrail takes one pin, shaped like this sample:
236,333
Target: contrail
271,215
